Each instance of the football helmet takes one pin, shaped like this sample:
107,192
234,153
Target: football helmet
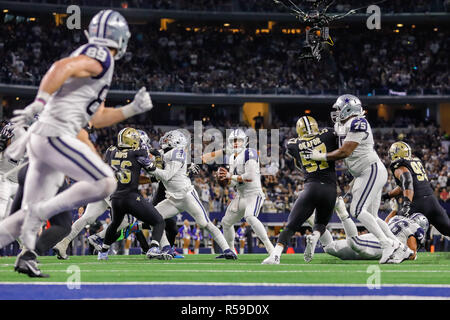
237,140
307,126
173,139
346,106
421,220
145,140
400,150
128,138
108,28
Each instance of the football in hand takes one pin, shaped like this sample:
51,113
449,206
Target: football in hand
222,177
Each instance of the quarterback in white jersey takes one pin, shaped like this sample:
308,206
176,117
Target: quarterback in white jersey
71,93
370,174
244,174
409,230
180,193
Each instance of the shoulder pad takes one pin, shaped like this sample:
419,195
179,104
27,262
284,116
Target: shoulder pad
111,148
292,141
359,125
178,155
101,54
250,154
399,163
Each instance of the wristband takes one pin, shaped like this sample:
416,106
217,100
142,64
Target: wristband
42,97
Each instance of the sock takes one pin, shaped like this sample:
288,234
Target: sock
372,226
278,250
218,236
260,231
350,228
126,252
326,238
105,247
241,250
196,250
164,241
10,228
229,234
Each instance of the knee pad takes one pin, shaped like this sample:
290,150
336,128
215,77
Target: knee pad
250,219
209,226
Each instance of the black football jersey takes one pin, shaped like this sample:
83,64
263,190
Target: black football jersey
421,184
315,171
126,161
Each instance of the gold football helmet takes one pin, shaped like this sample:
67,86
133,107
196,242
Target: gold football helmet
400,150
128,138
307,126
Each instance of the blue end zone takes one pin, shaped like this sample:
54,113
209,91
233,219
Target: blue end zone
212,291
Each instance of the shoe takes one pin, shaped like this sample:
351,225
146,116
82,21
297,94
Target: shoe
96,242
272,259
30,228
228,254
154,253
401,254
177,255
388,251
340,208
311,242
60,249
102,256
26,263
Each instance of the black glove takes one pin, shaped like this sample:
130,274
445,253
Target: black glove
193,169
406,208
385,197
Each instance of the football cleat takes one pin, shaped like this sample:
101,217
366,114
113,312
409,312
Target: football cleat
272,259
102,256
311,242
401,254
26,263
96,242
60,249
154,253
340,208
388,251
228,254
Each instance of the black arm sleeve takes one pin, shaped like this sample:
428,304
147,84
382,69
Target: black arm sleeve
407,181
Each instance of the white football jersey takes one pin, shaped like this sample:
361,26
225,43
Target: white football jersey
179,184
238,166
72,106
358,130
9,164
403,228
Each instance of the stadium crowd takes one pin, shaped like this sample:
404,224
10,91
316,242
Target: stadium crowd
211,61
255,5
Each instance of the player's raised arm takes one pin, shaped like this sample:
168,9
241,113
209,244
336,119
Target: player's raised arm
105,117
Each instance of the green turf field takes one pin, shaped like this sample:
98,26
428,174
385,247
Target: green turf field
429,268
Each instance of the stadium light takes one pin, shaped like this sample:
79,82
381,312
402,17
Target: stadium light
5,10
226,24
400,25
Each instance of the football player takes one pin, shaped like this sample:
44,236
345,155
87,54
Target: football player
319,194
9,184
356,147
180,193
71,93
128,159
414,188
244,174
410,231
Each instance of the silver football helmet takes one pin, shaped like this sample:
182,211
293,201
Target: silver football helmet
145,140
108,28
346,106
237,140
173,139
421,220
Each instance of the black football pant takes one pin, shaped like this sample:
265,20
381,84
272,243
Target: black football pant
139,208
316,196
437,216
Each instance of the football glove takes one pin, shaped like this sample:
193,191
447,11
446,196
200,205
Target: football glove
406,208
314,154
193,169
25,117
148,165
159,162
393,204
141,103
385,196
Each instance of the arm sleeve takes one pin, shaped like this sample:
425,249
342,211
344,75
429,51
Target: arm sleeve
251,167
169,170
407,181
